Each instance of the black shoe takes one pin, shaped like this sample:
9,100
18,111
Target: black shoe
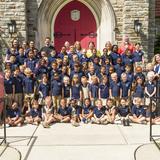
123,122
127,122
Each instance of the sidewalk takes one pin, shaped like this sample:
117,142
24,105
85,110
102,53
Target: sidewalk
65,142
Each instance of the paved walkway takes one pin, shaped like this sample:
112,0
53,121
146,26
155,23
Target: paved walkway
65,142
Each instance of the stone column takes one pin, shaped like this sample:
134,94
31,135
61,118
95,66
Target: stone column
136,10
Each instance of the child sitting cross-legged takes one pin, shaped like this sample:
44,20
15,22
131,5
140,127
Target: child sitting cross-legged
35,114
87,111
138,112
123,111
48,113
76,112
99,116
154,114
110,111
13,115
63,114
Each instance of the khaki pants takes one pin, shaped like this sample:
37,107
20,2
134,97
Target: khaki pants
8,100
19,99
56,101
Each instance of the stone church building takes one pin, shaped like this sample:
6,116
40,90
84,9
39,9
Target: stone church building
82,20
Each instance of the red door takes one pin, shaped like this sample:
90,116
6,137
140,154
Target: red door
75,22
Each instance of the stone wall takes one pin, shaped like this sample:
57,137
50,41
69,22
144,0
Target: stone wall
12,10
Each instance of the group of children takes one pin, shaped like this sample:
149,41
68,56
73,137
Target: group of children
79,85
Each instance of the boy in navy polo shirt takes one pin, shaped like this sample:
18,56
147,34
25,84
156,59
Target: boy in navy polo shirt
64,112
66,89
28,84
123,111
99,116
13,62
125,90
31,61
150,87
94,90
119,67
9,87
114,90
35,114
21,57
138,112
56,90
87,111
43,89
18,83
104,90
76,112
76,89
41,69
127,58
13,115
138,55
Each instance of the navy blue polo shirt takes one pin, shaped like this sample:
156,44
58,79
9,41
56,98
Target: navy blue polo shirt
64,111
56,88
115,88
41,70
127,60
8,85
139,91
138,111
12,113
99,112
18,82
21,59
150,87
114,57
93,88
130,77
75,90
87,109
125,86
51,59
28,84
14,66
123,111
119,69
104,90
31,63
137,56
66,90
44,88
35,112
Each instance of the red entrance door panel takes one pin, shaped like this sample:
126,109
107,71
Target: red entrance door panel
75,22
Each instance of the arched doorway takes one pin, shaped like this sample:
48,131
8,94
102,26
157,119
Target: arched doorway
74,22
101,9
